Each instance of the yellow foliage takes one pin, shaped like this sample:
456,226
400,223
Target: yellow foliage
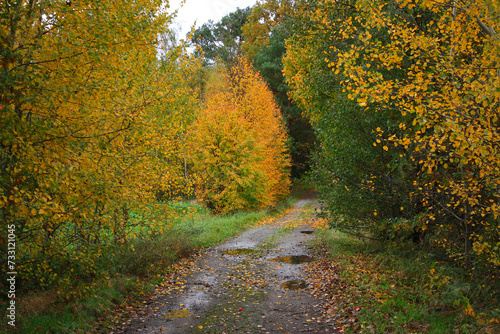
259,25
436,63
92,125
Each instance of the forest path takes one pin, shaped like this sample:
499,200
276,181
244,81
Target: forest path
253,283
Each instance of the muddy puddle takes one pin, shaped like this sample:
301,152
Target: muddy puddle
294,285
293,259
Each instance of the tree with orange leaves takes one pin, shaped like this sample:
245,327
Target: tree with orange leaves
239,143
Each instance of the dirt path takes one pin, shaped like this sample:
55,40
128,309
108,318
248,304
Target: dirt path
240,287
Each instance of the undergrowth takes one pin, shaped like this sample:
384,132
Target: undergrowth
371,287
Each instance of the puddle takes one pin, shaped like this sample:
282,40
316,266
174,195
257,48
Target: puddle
294,259
177,314
307,231
294,285
240,251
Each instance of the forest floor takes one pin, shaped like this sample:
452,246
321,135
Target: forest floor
254,283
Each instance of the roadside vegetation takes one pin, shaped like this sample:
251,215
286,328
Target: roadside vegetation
107,122
377,287
132,270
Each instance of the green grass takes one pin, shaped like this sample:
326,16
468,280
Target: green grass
131,270
65,320
406,290
206,230
45,312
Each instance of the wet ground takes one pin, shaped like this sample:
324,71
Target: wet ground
251,284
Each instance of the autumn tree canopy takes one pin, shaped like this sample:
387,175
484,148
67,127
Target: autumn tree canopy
239,143
426,73
92,126
357,180
263,18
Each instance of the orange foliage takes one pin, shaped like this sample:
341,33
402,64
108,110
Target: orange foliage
239,144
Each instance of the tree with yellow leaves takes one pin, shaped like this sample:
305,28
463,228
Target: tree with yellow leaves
261,21
432,68
361,182
447,54
92,122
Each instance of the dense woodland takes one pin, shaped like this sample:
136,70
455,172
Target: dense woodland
389,108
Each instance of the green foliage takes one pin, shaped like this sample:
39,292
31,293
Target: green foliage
222,40
358,180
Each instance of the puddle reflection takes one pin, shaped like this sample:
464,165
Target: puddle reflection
294,285
294,259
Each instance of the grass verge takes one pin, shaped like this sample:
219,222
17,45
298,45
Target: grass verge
368,287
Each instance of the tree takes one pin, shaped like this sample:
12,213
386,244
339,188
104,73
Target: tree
448,55
221,40
239,144
359,182
87,115
302,140
432,68
257,29
264,41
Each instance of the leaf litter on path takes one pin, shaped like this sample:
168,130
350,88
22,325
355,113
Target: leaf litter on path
240,293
